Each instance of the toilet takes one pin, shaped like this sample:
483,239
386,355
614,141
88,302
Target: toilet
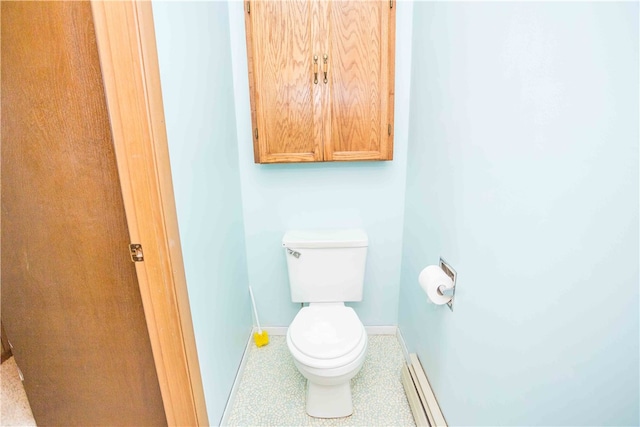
326,338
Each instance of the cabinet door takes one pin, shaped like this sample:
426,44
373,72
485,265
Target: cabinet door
361,38
348,115
285,104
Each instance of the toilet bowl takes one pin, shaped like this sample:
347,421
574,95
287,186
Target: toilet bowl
327,339
328,344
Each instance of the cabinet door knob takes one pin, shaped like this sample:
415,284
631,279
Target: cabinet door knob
315,69
325,59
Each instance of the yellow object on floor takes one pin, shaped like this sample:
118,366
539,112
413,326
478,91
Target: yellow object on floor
261,338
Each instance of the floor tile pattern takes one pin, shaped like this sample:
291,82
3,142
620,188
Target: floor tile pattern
271,391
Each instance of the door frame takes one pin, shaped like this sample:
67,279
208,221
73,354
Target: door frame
129,61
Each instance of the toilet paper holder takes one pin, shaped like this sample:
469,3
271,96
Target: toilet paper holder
446,292
449,271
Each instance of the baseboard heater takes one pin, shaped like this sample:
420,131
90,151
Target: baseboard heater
422,401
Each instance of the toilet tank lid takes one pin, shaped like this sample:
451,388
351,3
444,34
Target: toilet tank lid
351,238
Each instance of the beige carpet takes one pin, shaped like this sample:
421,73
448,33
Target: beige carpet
14,406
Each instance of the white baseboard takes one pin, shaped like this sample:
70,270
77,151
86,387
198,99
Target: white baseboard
381,330
403,346
371,330
273,330
234,388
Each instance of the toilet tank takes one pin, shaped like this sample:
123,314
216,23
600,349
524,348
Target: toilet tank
327,265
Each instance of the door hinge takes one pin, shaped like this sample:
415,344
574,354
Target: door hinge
256,133
136,252
248,7
389,129
390,4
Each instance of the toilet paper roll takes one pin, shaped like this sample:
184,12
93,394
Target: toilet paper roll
431,278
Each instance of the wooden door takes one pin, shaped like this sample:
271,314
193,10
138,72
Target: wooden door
286,115
71,305
360,102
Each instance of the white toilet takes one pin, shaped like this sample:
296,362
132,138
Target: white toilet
327,339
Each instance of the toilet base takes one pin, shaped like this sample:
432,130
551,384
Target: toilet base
329,401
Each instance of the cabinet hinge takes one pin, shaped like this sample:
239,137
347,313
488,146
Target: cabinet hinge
256,133
389,129
390,4
248,7
136,252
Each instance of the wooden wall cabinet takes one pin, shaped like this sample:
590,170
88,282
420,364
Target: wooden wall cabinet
321,77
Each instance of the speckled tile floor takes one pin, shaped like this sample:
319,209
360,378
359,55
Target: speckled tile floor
271,391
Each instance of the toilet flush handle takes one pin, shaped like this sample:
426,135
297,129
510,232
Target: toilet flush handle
294,253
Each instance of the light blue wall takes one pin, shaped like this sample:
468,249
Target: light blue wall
194,53
277,198
523,173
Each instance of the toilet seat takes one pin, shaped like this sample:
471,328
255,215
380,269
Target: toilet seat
326,336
